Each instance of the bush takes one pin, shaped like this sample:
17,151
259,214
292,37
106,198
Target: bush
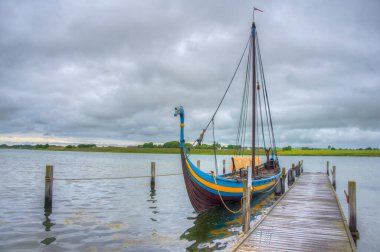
172,144
287,148
86,145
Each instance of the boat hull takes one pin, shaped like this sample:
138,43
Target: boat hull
200,198
206,191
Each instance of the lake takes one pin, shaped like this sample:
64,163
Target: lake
125,215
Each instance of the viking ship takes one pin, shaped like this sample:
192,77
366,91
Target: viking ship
208,189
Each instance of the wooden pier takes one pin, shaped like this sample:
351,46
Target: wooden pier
308,217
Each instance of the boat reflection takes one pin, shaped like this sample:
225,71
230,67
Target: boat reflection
215,228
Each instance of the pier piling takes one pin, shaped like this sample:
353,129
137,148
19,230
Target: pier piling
49,186
283,179
299,167
290,178
278,187
327,168
334,177
352,210
152,175
293,172
246,207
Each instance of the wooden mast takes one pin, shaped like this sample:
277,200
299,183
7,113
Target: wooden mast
253,44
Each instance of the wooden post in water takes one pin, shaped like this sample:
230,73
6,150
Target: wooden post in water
301,166
293,172
224,166
246,213
152,175
327,168
277,188
352,209
199,164
49,186
283,177
290,181
334,177
297,170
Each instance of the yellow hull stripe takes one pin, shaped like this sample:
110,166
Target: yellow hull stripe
225,188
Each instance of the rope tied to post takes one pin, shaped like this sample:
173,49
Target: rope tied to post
271,188
347,197
221,199
126,177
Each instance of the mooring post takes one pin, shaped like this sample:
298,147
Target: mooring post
224,166
334,177
199,164
152,175
301,166
290,181
49,186
352,209
297,170
283,177
327,168
293,172
246,213
278,186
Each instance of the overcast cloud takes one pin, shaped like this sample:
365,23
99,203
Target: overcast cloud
111,72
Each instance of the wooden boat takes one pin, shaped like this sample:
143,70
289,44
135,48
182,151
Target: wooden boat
207,190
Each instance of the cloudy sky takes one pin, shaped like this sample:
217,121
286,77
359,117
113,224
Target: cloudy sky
111,72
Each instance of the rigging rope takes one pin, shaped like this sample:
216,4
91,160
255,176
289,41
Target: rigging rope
262,102
240,138
213,135
225,93
261,115
274,149
266,104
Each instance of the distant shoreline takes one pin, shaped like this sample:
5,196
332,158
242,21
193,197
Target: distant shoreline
293,152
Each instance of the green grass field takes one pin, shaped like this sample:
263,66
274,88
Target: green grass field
294,152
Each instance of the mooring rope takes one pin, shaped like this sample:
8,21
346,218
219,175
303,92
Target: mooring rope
241,200
221,199
127,177
273,185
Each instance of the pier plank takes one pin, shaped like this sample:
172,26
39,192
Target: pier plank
307,218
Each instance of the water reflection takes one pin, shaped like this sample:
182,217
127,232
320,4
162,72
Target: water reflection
115,215
215,228
153,203
48,224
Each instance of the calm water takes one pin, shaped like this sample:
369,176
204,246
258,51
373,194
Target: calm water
125,215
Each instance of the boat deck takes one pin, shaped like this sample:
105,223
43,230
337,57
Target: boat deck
263,173
306,218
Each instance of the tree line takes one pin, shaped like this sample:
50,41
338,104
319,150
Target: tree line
176,144
169,145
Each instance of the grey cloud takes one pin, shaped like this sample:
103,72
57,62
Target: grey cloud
116,69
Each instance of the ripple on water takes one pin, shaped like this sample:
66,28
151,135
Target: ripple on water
125,215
